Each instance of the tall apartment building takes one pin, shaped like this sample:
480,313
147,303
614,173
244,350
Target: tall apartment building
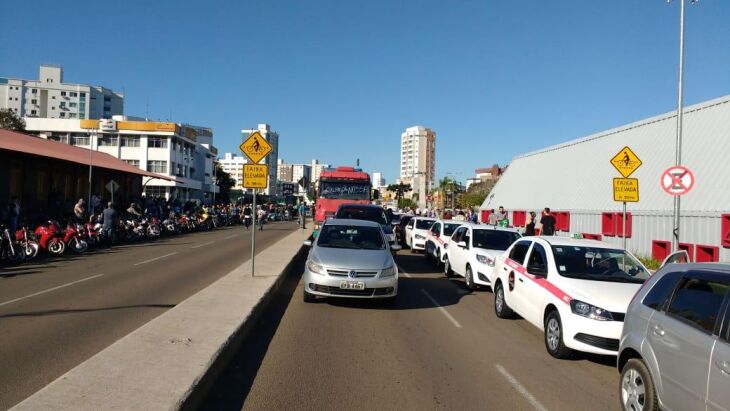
294,173
272,159
317,170
284,171
378,180
418,158
233,165
50,97
180,151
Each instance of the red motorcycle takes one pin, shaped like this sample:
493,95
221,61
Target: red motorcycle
50,238
93,234
27,242
73,236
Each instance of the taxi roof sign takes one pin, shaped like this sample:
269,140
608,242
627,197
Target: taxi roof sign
255,176
626,162
255,147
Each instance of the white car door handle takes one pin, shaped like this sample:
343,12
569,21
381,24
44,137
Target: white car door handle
521,280
724,367
658,331
505,268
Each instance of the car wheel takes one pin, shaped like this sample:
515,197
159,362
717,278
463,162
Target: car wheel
637,387
469,279
448,272
554,336
308,298
438,257
501,309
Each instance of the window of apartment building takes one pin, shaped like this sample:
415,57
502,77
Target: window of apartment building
71,115
157,142
129,141
134,163
72,104
33,101
155,191
107,98
62,104
73,94
108,140
63,114
34,91
53,97
82,95
180,170
82,116
80,140
157,166
63,94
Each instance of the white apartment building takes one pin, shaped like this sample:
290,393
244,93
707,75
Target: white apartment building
233,165
50,97
272,159
294,173
418,158
183,152
317,170
378,180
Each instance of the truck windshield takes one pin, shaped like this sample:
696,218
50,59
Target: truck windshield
598,264
344,190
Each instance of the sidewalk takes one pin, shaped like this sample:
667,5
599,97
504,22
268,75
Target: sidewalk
159,365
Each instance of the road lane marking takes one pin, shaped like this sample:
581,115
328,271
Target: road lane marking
230,236
155,259
402,271
520,388
203,245
442,309
50,289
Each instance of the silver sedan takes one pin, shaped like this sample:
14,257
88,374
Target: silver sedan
351,259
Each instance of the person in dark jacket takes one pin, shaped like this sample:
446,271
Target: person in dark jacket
548,222
530,224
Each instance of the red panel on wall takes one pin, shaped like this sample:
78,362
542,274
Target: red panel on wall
619,218
707,253
725,231
590,236
607,224
689,248
519,218
562,220
485,215
660,249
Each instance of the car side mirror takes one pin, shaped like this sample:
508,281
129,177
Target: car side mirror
395,247
308,243
537,270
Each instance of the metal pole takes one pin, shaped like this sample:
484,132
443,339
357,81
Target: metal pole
624,223
678,145
254,216
91,142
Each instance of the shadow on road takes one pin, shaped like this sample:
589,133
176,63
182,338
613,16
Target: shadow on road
84,310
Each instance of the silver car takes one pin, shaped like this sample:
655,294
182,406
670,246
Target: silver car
674,351
351,259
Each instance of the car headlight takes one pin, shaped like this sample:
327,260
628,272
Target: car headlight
484,259
590,311
388,272
315,268
420,237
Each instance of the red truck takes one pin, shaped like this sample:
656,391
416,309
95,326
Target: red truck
340,185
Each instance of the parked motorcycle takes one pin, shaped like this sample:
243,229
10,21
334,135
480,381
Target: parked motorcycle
9,249
73,238
50,238
26,241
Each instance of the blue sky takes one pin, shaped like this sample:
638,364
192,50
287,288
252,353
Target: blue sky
340,80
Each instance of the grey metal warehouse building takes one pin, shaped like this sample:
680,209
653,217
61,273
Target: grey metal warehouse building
575,179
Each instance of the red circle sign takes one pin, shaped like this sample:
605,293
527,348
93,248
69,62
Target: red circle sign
677,180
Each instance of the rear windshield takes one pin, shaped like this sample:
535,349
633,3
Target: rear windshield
450,228
424,224
351,237
494,239
375,215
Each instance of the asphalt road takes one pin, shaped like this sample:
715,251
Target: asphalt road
56,313
440,347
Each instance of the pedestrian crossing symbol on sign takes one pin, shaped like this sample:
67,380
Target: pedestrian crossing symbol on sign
255,147
626,162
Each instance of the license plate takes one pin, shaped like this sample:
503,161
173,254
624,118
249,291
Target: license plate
352,285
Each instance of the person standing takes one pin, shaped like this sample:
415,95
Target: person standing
261,215
530,224
548,222
493,218
109,218
247,215
302,215
473,217
80,210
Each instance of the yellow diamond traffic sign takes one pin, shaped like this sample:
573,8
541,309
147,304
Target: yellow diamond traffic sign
626,162
255,147
626,190
255,175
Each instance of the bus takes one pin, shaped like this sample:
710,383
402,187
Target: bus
336,186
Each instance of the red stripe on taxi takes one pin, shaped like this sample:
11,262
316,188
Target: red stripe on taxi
542,282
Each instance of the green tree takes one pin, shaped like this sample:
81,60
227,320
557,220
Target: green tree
399,189
474,197
406,203
225,182
10,121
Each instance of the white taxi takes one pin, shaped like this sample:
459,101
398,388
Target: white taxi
438,238
416,232
472,251
576,291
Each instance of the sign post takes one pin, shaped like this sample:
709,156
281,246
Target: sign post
625,190
111,186
255,176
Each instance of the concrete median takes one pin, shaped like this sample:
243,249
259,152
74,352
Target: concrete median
170,362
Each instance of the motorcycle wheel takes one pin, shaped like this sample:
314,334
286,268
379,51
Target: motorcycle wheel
56,247
78,246
31,249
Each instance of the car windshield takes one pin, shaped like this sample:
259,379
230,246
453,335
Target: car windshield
494,239
450,228
424,224
350,237
598,264
373,214
346,191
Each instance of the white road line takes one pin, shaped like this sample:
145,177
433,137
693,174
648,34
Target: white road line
155,259
402,271
520,388
50,289
230,236
202,245
442,309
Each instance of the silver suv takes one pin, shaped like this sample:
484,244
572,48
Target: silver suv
675,347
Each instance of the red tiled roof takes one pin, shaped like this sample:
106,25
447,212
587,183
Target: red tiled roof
24,143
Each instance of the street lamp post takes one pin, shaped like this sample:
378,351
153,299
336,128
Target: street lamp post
91,150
